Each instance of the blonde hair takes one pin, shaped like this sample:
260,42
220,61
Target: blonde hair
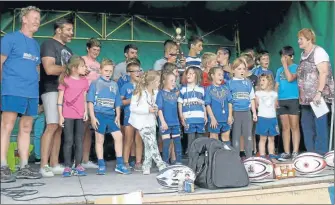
249,61
308,34
197,72
105,62
169,67
212,71
269,78
237,62
164,76
145,80
26,10
74,62
206,58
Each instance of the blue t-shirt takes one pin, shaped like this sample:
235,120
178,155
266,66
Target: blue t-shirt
193,102
193,61
167,103
241,92
105,96
287,90
123,80
218,97
19,73
127,92
226,76
259,71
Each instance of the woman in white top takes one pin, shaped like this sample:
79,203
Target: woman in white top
143,116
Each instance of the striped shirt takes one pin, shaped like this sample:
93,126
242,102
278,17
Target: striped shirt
193,61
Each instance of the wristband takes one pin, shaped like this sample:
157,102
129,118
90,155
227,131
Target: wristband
59,104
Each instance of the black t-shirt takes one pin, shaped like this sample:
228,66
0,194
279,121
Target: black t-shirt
254,79
62,54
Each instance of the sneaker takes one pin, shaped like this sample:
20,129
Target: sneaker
6,175
138,167
46,171
37,161
146,171
101,170
79,171
58,169
67,172
294,155
132,164
127,165
28,173
163,166
284,156
90,165
120,168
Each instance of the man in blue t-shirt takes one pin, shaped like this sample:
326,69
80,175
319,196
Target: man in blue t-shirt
20,59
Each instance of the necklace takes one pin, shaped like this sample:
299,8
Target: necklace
220,93
188,103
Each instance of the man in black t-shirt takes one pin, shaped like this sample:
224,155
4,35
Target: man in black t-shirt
55,55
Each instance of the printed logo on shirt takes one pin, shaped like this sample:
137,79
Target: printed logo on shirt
241,95
282,76
171,97
65,56
105,102
130,91
29,56
217,94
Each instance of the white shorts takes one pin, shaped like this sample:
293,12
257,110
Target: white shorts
50,107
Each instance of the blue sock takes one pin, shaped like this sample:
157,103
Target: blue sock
177,148
119,160
166,147
227,143
101,162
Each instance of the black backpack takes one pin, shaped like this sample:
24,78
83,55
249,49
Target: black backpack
216,165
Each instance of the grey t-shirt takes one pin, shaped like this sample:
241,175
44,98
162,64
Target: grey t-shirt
120,70
158,65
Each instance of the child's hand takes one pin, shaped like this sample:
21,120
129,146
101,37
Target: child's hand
85,118
284,60
61,121
214,123
95,123
164,126
153,110
230,120
254,117
182,120
206,119
117,122
40,109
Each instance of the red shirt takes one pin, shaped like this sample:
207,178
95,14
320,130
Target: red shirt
205,81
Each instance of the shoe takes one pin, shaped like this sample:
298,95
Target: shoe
132,164
90,165
101,170
6,175
46,171
37,161
28,173
138,167
79,171
146,171
67,172
273,156
58,169
127,165
120,168
284,156
162,166
294,155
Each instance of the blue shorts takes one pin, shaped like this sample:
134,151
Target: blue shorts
126,115
21,105
221,128
195,128
106,123
172,130
267,126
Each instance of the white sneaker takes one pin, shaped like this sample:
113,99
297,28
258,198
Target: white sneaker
58,169
89,165
146,171
46,171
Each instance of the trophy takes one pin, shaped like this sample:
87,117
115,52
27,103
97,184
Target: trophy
179,39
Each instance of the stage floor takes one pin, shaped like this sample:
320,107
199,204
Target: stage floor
73,189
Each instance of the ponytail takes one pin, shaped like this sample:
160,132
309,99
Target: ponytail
74,62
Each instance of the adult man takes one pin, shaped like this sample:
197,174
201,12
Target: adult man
170,54
55,54
20,58
130,51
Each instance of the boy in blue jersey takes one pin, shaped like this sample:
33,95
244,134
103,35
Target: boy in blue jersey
191,105
243,96
264,61
104,103
129,147
126,78
223,56
195,45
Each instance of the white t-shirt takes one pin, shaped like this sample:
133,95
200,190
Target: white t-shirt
320,55
266,103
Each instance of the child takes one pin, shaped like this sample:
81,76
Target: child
126,78
133,70
219,108
223,56
143,113
168,112
38,128
170,55
195,45
191,106
243,97
104,106
72,109
208,60
267,125
264,61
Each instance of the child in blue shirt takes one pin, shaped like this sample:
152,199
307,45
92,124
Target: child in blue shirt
104,107
264,61
243,96
129,147
191,105
219,108
167,112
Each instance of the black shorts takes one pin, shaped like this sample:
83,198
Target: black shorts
288,107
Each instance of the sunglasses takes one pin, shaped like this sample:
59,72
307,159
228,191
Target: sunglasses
173,54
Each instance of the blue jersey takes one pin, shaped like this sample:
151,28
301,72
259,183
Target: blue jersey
259,71
242,93
287,90
105,96
167,103
126,92
218,97
193,103
226,76
123,80
193,61
19,72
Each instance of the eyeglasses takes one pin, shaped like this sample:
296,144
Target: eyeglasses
173,54
135,71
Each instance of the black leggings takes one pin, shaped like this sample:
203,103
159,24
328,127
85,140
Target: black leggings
73,130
